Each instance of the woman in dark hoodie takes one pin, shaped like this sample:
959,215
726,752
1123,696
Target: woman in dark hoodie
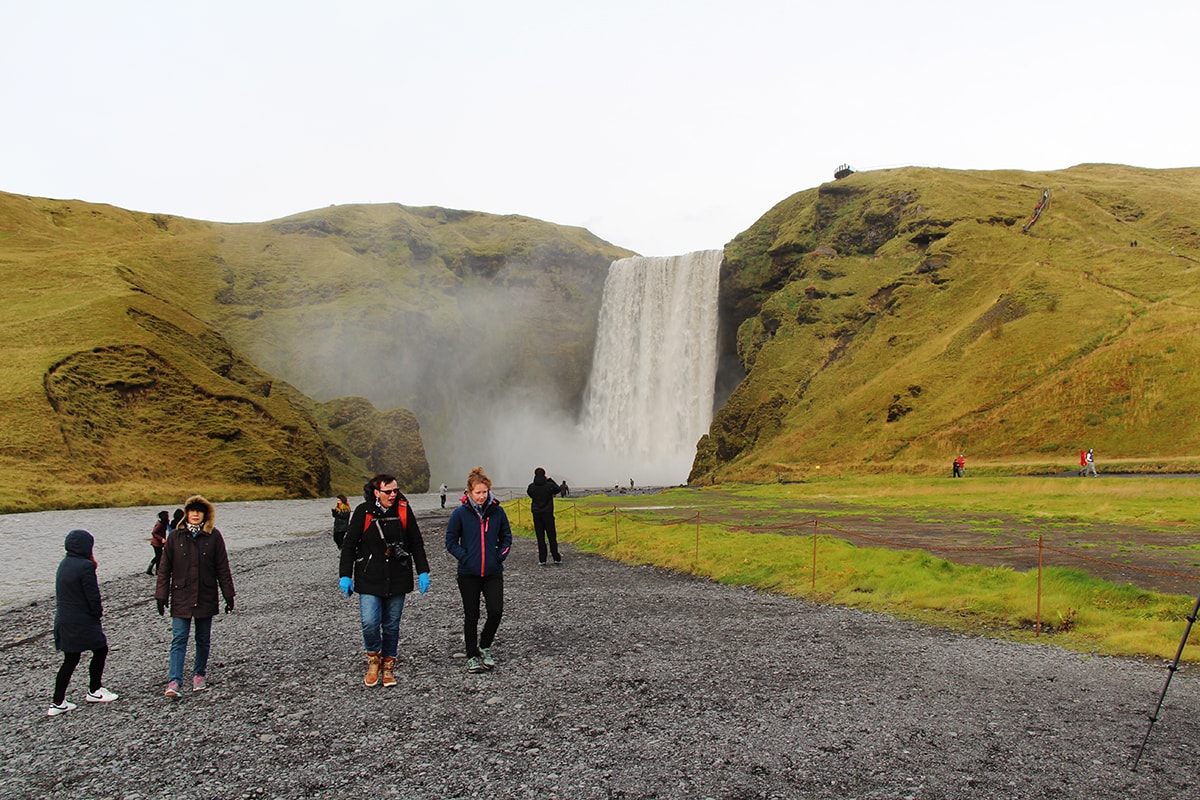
77,622
479,536
194,564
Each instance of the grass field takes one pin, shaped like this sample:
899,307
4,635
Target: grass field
764,536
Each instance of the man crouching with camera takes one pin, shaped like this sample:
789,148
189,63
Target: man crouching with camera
378,554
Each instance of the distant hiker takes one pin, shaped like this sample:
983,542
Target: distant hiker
77,623
631,483
479,536
176,520
541,506
564,490
158,535
960,466
1082,462
1090,463
442,493
341,519
381,547
194,564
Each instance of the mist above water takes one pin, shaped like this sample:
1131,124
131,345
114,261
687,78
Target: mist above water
648,400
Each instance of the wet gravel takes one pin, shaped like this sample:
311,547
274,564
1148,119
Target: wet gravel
613,681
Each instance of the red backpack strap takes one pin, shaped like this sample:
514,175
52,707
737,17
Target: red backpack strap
402,508
367,522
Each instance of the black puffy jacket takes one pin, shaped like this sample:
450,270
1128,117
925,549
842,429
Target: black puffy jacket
364,551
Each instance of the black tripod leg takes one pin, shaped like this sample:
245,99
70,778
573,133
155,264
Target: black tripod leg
1191,620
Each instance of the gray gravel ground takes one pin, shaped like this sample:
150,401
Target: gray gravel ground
613,682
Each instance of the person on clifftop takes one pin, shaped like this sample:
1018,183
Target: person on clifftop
479,536
194,564
378,554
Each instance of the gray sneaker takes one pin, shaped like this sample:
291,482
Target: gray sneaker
475,664
485,655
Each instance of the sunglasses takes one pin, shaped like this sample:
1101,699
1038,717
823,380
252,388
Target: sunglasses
389,491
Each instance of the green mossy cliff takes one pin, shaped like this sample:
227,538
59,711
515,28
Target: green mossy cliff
149,356
893,319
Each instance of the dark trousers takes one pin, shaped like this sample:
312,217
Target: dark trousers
543,528
70,662
491,588
153,568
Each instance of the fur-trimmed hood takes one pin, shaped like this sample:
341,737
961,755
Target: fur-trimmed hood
210,513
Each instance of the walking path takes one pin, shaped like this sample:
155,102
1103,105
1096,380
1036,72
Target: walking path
613,681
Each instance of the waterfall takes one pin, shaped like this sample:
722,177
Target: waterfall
650,394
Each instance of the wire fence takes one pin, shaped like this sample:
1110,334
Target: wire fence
815,529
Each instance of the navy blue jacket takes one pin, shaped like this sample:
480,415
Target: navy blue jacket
77,595
479,539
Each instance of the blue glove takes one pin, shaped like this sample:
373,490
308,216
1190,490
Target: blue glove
423,582
346,586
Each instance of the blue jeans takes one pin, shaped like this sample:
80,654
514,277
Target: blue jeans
180,627
381,622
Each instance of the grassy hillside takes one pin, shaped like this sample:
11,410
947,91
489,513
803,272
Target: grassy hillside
894,319
438,311
135,344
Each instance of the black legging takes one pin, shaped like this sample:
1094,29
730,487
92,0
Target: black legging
70,662
492,589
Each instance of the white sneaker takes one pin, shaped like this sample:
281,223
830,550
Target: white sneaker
101,695
54,710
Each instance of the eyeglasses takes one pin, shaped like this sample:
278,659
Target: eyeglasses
390,491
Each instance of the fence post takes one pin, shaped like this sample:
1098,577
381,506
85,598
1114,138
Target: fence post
575,517
1037,631
518,512
813,585
616,533
697,559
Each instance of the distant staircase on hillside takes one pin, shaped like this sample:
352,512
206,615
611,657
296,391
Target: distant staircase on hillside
1037,212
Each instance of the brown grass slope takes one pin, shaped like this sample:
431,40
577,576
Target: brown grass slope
147,355
425,308
893,319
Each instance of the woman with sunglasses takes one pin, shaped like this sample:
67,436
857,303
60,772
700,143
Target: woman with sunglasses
381,547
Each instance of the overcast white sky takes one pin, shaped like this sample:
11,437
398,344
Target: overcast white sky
664,127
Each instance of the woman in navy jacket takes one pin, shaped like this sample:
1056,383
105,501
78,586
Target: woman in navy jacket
479,536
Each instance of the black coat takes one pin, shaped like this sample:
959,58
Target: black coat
77,594
193,566
364,552
542,492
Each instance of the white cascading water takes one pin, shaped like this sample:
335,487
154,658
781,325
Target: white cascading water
650,395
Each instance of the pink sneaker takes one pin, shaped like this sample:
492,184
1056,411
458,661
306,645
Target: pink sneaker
172,689
198,684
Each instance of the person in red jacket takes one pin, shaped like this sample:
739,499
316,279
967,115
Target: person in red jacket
158,536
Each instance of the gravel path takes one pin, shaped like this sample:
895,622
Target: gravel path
613,682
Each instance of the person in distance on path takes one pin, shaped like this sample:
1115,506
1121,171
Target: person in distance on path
541,506
378,553
77,622
479,536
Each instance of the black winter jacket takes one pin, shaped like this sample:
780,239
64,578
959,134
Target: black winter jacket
364,551
542,492
480,540
77,595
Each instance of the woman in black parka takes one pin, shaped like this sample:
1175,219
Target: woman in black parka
77,622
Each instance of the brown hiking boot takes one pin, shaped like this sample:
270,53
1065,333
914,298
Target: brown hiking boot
389,672
372,676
